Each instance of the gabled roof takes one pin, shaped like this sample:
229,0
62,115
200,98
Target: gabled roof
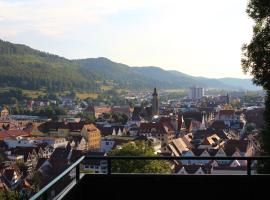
242,145
200,134
161,128
219,125
197,152
192,169
60,153
91,127
13,134
25,151
54,126
198,116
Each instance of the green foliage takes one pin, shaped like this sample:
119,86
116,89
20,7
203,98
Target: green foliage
256,59
89,118
235,103
250,127
27,68
119,118
12,195
138,166
31,69
11,96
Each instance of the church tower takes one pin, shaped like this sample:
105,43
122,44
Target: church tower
227,98
155,103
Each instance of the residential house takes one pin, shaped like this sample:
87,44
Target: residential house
107,144
162,131
180,145
193,169
89,131
92,134
227,116
95,166
197,120
78,142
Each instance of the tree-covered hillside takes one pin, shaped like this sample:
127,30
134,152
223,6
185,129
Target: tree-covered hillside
26,68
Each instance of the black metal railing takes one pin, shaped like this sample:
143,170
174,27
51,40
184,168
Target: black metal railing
43,193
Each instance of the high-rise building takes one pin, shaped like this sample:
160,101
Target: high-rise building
155,103
196,93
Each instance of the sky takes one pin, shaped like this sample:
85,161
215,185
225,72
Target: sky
200,38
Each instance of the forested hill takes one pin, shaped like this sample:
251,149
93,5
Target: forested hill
26,68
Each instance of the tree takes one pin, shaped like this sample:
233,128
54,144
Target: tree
256,58
8,195
138,166
87,117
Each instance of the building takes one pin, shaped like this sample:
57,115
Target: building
95,166
4,113
163,131
155,103
92,134
99,110
196,93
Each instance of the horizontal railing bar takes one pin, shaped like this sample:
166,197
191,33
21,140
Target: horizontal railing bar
54,181
175,158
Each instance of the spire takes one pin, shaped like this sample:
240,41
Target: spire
155,92
228,98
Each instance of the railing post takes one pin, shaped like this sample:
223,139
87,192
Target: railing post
77,172
248,166
109,167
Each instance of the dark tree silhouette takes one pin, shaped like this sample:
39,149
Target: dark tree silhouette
256,58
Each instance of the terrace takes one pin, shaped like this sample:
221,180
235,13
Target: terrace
118,186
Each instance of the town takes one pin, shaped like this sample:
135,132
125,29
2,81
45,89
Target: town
34,149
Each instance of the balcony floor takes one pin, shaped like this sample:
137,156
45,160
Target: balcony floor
170,186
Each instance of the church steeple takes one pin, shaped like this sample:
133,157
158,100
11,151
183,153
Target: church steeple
155,92
228,98
155,103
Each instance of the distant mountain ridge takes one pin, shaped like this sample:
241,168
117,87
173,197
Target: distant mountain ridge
27,68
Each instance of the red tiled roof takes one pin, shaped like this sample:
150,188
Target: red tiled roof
160,127
13,133
123,109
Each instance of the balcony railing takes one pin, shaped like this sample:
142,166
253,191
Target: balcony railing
43,193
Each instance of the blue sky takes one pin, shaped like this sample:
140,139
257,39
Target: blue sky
201,38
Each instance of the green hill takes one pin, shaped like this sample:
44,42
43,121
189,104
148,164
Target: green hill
27,68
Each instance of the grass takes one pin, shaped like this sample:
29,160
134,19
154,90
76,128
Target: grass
105,87
86,95
33,93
